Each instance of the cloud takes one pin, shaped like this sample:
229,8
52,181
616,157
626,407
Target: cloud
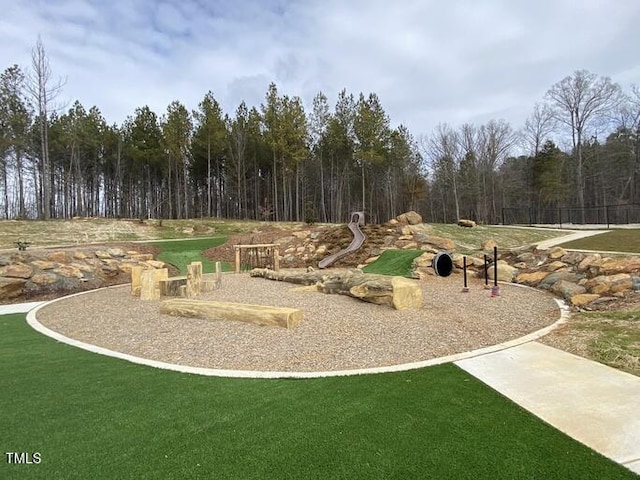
428,61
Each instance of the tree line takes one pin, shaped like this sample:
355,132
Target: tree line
277,161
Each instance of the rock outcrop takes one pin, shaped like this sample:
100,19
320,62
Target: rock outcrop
36,272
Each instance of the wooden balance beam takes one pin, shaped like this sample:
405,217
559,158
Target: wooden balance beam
243,312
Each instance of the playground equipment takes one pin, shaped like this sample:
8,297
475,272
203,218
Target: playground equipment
259,255
357,221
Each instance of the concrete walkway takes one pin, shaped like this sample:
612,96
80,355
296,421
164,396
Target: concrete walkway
597,405
552,242
18,307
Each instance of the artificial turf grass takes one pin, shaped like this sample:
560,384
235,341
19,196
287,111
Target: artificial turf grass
181,253
615,240
394,262
97,417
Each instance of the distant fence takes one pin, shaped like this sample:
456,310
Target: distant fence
603,215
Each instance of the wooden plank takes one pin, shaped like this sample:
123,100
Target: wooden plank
257,314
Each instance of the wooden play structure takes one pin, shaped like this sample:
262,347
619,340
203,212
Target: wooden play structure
259,255
152,283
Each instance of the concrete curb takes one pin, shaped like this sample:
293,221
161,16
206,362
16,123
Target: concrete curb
36,325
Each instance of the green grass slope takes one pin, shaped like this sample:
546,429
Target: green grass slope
181,253
394,262
617,240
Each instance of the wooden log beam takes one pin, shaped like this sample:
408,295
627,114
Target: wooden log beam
398,292
170,287
257,314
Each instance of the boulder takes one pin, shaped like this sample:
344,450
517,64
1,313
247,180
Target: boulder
116,252
567,289
573,258
410,217
321,250
531,278
458,260
527,257
101,254
566,275
155,263
463,222
301,234
406,230
393,221
556,265
410,245
603,284
11,287
620,265
423,260
141,257
588,261
441,242
582,299
79,255
68,271
58,256
556,252
44,278
506,272
44,264
489,245
16,270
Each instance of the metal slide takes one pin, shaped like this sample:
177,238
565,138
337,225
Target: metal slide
357,220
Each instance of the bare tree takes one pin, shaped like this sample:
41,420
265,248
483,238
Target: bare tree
580,102
537,128
442,151
43,91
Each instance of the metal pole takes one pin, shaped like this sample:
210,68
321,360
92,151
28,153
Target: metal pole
495,291
465,289
486,271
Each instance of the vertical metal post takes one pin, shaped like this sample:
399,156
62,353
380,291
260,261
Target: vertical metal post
237,258
495,290
495,266
486,271
465,289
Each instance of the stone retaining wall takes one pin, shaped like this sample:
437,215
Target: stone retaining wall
34,272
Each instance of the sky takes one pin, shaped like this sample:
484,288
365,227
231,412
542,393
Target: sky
429,61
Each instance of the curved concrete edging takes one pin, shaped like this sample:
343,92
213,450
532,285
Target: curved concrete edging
213,372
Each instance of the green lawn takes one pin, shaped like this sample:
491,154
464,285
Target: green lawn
616,240
181,253
91,416
394,262
616,337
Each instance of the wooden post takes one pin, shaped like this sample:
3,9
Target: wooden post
218,282
194,279
135,281
276,259
237,258
150,283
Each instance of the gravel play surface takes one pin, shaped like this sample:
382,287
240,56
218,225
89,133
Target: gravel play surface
336,333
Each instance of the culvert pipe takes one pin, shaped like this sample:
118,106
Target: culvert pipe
442,264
